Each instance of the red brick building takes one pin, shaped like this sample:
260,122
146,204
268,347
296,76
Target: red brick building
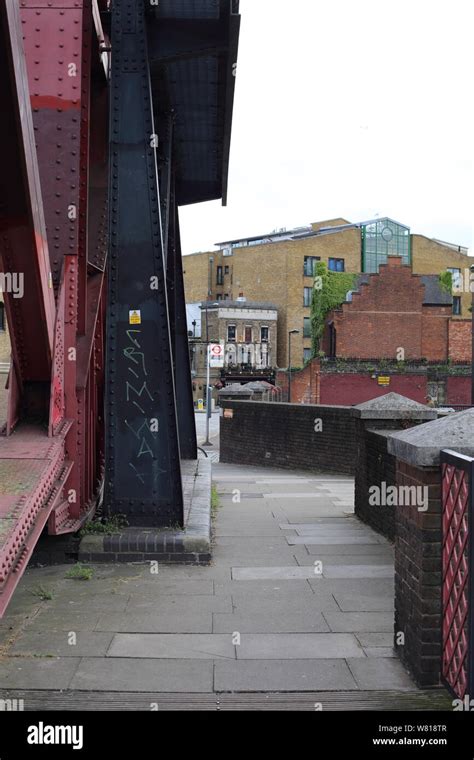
389,319
398,315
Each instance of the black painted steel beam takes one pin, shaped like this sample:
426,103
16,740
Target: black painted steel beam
143,478
172,40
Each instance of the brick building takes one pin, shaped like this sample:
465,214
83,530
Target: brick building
279,267
393,314
395,331
248,332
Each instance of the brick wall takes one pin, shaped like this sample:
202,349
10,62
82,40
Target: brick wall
387,314
326,385
283,435
460,340
374,465
305,384
458,390
351,388
418,577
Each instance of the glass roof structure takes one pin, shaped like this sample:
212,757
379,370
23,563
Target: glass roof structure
382,238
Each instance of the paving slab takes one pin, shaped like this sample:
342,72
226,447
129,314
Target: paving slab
90,604
283,604
338,550
364,602
254,544
375,638
245,558
379,652
176,572
170,605
298,646
272,573
358,571
331,540
162,587
242,531
359,621
329,560
37,672
282,621
138,675
57,643
278,587
180,621
283,675
55,620
380,673
192,646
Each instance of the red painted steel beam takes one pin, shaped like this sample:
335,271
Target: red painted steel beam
23,244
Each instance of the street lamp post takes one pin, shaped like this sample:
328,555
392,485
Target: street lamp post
290,333
208,368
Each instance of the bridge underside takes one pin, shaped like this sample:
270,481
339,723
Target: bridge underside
99,146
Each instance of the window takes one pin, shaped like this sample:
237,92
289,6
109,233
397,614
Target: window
382,238
455,277
2,317
226,270
264,334
309,265
307,327
336,265
306,354
231,333
226,296
227,251
307,295
457,305
219,277
248,333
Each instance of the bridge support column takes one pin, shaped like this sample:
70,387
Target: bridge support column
143,479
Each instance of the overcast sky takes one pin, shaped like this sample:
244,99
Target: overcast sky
351,109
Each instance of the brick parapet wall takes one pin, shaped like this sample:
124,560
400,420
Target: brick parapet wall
283,435
374,465
418,610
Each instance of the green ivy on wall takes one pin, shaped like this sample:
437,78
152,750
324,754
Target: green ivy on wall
445,280
329,291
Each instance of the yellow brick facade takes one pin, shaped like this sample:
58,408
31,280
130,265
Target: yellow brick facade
431,257
274,272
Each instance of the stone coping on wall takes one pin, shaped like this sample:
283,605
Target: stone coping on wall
421,446
393,406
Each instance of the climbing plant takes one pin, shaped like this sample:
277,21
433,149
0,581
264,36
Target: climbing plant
329,291
445,280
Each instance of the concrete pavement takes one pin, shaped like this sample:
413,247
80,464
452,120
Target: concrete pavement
299,598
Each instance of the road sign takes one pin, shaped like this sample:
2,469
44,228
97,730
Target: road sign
216,354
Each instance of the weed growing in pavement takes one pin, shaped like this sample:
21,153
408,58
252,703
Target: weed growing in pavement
80,573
